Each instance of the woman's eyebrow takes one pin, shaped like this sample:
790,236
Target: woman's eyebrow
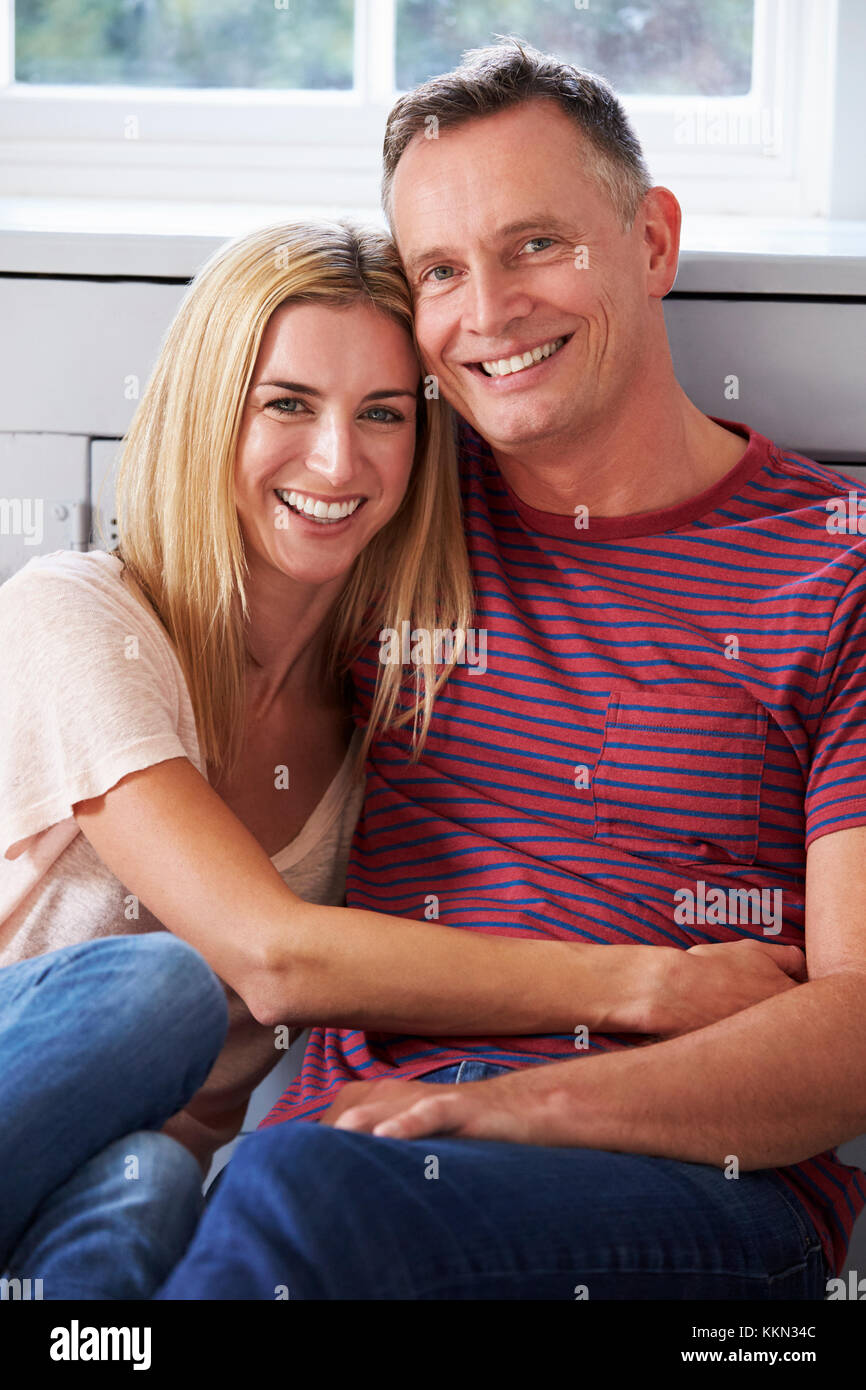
302,390
291,386
385,395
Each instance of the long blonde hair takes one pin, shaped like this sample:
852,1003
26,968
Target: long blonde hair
180,537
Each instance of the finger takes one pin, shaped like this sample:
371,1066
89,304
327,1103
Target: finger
432,1115
792,960
363,1117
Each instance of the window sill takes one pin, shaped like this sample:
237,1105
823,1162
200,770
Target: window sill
168,240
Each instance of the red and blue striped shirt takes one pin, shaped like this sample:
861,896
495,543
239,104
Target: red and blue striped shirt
671,711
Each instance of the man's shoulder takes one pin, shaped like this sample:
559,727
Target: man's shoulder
806,496
822,479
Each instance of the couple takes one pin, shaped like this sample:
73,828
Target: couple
670,713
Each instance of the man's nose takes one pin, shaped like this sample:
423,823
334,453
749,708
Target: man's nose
334,452
495,299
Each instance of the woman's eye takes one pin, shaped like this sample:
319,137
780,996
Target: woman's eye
286,405
537,240
381,415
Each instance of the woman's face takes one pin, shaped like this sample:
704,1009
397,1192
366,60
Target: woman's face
327,438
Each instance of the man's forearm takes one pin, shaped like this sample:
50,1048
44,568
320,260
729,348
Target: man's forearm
773,1085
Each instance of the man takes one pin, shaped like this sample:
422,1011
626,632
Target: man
665,747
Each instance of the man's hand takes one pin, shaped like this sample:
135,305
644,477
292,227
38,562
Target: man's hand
501,1107
356,1093
714,980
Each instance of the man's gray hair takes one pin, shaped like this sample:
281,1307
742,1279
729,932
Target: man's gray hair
506,74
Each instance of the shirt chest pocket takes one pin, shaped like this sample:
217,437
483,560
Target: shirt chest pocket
678,777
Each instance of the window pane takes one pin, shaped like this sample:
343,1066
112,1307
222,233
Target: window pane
186,43
675,47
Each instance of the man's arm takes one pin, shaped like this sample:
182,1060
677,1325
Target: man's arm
775,1084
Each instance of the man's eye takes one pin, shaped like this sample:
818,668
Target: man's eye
536,242
435,272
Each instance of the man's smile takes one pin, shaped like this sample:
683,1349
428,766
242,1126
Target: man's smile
527,363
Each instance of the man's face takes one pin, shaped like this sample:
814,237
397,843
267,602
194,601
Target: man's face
512,247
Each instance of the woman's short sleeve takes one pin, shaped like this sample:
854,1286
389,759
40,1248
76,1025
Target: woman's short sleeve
89,692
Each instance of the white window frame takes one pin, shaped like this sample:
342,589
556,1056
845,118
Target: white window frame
323,149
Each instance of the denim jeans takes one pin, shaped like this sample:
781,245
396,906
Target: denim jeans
100,1043
306,1211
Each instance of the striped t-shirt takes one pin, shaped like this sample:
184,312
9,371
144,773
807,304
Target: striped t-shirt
669,703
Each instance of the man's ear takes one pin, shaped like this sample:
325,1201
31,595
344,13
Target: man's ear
661,217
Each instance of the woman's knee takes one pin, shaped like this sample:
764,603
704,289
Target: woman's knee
157,983
179,974
152,997
118,1225
151,1164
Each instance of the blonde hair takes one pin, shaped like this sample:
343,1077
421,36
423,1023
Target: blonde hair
180,537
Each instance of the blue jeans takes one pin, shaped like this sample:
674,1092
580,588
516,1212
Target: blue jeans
100,1044
306,1211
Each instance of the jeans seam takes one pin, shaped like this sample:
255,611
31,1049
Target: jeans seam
809,1237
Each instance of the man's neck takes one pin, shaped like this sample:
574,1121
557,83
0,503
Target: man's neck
642,461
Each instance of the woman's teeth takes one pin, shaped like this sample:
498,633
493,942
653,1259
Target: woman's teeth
506,366
323,512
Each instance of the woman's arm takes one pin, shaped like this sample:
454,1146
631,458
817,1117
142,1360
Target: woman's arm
173,842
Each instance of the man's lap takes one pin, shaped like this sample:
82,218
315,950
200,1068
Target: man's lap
309,1211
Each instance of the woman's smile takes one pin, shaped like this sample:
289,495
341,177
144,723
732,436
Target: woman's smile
309,507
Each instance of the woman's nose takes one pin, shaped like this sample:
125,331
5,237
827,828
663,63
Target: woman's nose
334,452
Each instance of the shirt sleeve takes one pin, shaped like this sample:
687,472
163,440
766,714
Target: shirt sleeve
87,695
836,789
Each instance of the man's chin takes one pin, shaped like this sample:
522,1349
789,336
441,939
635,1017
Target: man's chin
517,436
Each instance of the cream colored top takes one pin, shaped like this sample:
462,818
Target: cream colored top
90,690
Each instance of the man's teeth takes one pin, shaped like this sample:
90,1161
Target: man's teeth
317,510
506,366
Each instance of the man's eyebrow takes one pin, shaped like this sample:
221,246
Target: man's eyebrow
301,390
437,254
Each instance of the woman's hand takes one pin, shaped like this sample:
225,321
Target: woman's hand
705,983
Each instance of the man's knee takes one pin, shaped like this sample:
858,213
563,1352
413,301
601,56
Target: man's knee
296,1216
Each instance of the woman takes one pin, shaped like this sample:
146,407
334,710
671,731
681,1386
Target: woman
178,753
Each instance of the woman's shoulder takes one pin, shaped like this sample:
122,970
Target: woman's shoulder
81,605
68,584
99,568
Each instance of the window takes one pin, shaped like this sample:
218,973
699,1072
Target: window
284,101
168,43
671,47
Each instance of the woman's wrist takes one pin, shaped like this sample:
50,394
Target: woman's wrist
632,989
